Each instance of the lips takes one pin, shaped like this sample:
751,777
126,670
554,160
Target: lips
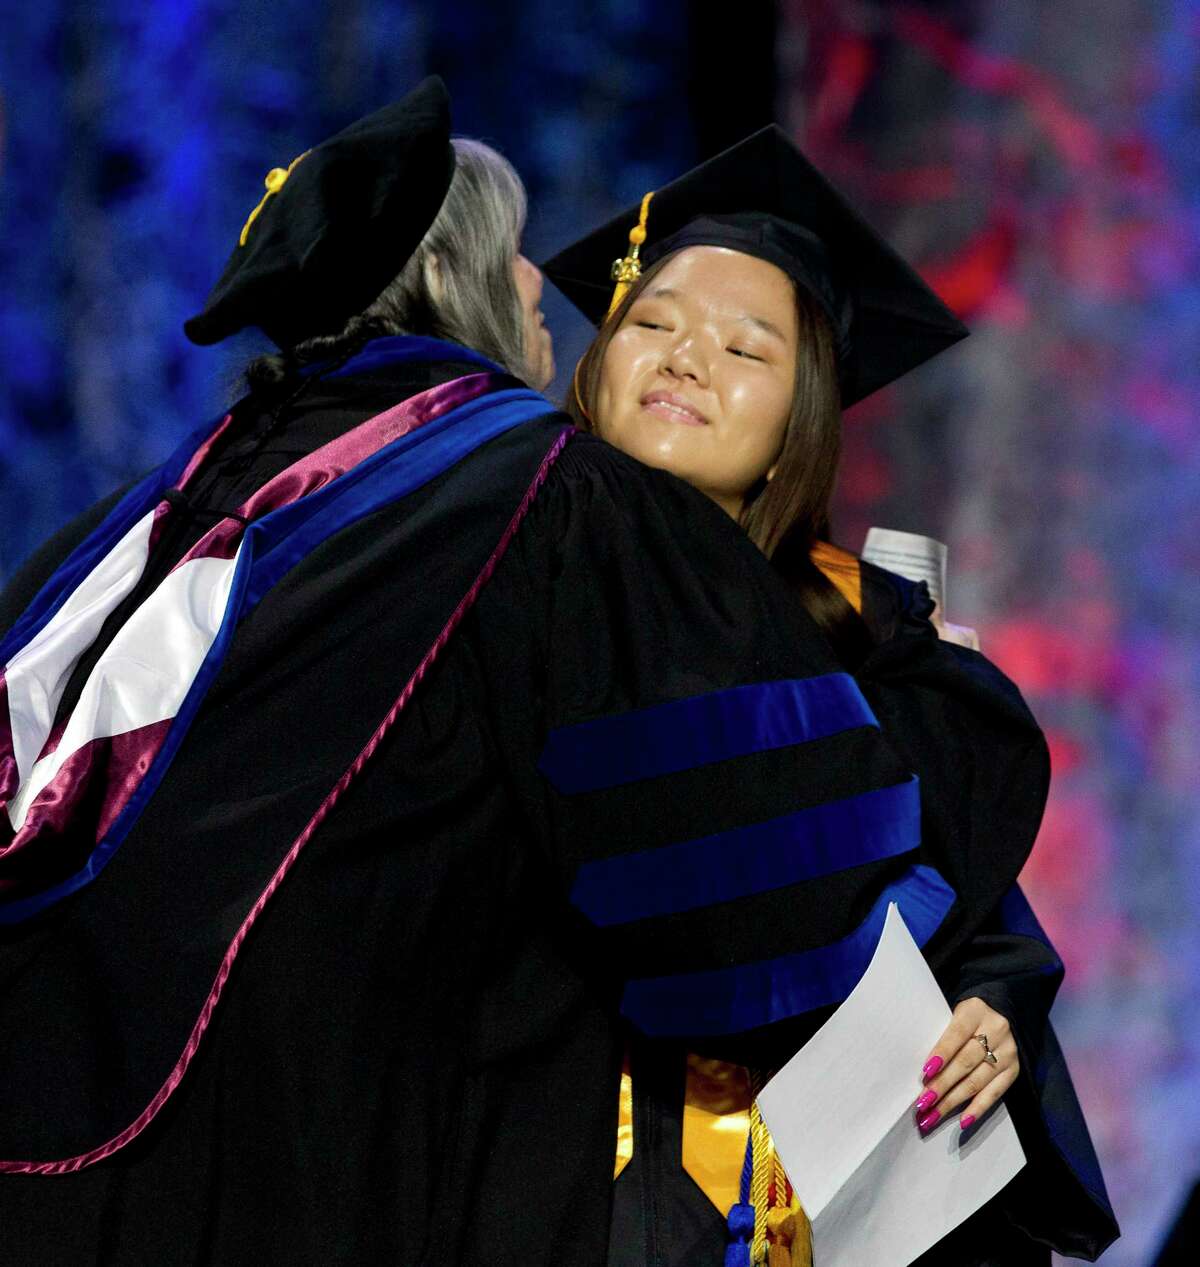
674,408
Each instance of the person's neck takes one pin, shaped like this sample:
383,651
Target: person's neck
730,503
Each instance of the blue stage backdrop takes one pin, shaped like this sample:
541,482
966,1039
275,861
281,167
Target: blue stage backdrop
1040,162
135,139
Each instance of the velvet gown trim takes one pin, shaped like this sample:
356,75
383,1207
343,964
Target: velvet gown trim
806,845
113,775
612,751
747,996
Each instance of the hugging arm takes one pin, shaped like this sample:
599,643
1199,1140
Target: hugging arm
692,722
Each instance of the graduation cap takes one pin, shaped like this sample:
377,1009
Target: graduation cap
336,226
763,197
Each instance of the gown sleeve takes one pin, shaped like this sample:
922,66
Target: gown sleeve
982,760
979,753
718,802
1059,1198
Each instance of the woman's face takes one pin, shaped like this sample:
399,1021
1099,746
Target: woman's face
698,380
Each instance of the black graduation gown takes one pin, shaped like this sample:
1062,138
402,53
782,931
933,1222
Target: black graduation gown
1058,1199
956,718
417,1055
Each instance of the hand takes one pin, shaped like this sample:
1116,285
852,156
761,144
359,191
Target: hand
957,1073
963,635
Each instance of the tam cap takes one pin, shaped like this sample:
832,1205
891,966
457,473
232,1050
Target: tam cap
764,198
336,226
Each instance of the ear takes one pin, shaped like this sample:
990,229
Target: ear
433,276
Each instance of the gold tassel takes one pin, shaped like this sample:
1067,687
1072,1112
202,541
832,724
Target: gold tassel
802,1254
781,1224
627,270
791,1236
782,1235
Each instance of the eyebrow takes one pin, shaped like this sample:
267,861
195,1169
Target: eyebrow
769,327
763,324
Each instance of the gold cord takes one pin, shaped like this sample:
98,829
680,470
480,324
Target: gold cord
779,1178
763,1164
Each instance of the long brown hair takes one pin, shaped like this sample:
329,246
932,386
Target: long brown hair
785,515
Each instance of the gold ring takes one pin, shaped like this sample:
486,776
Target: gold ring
988,1054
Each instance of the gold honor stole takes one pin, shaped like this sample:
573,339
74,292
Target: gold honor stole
718,1096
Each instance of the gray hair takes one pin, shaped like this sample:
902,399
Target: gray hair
457,285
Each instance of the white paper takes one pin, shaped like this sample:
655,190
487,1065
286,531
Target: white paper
915,557
841,1114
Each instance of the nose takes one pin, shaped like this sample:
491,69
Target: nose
532,279
685,359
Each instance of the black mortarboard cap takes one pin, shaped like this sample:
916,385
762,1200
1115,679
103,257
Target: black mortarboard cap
763,197
337,225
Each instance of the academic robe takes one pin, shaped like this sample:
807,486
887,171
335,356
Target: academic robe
676,1165
416,1055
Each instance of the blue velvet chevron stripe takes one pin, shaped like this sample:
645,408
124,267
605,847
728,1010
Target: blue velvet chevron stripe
683,734
757,858
732,1000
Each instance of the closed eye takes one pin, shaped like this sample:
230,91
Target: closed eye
649,325
748,356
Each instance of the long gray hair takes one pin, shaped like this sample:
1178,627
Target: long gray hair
457,285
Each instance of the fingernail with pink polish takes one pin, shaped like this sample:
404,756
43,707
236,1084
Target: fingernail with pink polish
967,1121
927,1101
932,1067
929,1121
